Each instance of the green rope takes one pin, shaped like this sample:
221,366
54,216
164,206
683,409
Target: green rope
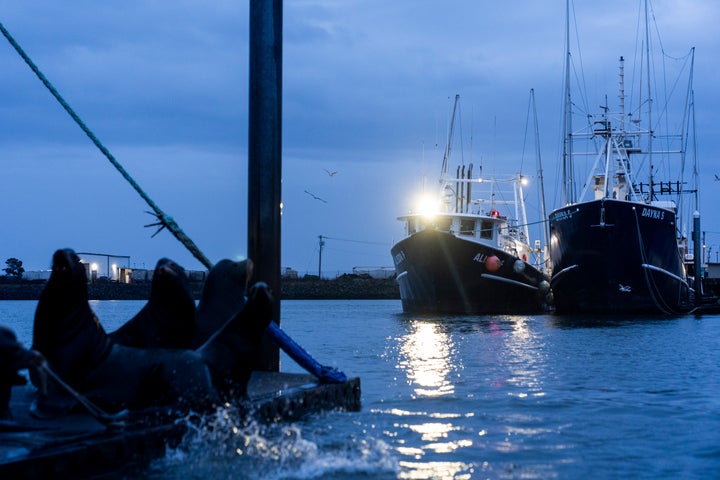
163,219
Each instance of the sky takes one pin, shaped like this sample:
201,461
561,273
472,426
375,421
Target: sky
367,93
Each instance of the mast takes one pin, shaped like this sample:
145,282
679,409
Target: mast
649,103
568,194
446,156
693,131
546,234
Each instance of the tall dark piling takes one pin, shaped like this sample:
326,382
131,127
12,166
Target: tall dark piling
697,258
264,155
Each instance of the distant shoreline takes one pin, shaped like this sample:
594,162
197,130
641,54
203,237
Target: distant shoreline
346,287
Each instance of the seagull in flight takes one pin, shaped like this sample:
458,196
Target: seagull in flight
333,173
717,179
316,197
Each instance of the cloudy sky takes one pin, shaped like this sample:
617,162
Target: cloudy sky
367,92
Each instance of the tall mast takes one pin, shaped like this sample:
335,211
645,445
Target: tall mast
540,170
568,193
694,137
649,99
446,157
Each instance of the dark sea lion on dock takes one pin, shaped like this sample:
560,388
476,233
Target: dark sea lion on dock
76,347
223,296
168,318
65,330
115,376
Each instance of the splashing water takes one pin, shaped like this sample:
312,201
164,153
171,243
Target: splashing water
227,443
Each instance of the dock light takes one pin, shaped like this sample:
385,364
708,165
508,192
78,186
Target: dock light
94,267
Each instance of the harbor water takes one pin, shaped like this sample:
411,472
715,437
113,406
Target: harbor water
471,397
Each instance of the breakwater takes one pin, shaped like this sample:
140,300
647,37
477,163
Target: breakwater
345,287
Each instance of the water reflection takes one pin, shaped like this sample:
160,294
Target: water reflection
524,357
425,356
428,357
439,357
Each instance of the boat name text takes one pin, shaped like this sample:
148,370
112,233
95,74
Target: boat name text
652,213
399,257
480,258
561,215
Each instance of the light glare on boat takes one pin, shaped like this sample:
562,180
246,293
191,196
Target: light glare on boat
427,205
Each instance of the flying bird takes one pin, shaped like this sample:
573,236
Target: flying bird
316,197
333,173
717,178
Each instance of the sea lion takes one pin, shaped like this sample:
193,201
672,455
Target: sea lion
168,318
223,296
65,329
116,376
13,357
75,345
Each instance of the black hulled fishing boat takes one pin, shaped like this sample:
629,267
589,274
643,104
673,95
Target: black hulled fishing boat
470,252
620,245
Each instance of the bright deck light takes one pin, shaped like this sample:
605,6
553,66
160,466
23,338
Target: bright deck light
427,205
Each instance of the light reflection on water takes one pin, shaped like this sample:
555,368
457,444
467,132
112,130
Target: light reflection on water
425,358
512,359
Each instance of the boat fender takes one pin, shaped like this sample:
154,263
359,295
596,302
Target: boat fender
493,263
544,286
519,266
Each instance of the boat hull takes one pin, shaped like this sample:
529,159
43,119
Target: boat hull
438,272
612,256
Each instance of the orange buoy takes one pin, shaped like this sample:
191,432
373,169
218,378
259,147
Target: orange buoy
493,263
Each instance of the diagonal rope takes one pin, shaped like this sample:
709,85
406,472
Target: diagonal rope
164,220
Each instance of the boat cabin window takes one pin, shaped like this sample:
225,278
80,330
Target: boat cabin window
411,226
486,229
467,226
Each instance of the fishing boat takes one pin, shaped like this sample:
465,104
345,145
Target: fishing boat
620,245
469,250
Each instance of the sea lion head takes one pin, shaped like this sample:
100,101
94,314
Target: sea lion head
223,296
229,275
67,287
169,280
173,305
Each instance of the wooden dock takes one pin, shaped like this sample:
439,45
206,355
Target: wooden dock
77,445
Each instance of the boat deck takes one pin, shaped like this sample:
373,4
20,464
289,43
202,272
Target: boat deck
78,445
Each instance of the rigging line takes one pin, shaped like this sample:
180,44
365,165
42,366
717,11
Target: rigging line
164,220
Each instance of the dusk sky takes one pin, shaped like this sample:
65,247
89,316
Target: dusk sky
367,92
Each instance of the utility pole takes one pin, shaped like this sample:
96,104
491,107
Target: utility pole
322,244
